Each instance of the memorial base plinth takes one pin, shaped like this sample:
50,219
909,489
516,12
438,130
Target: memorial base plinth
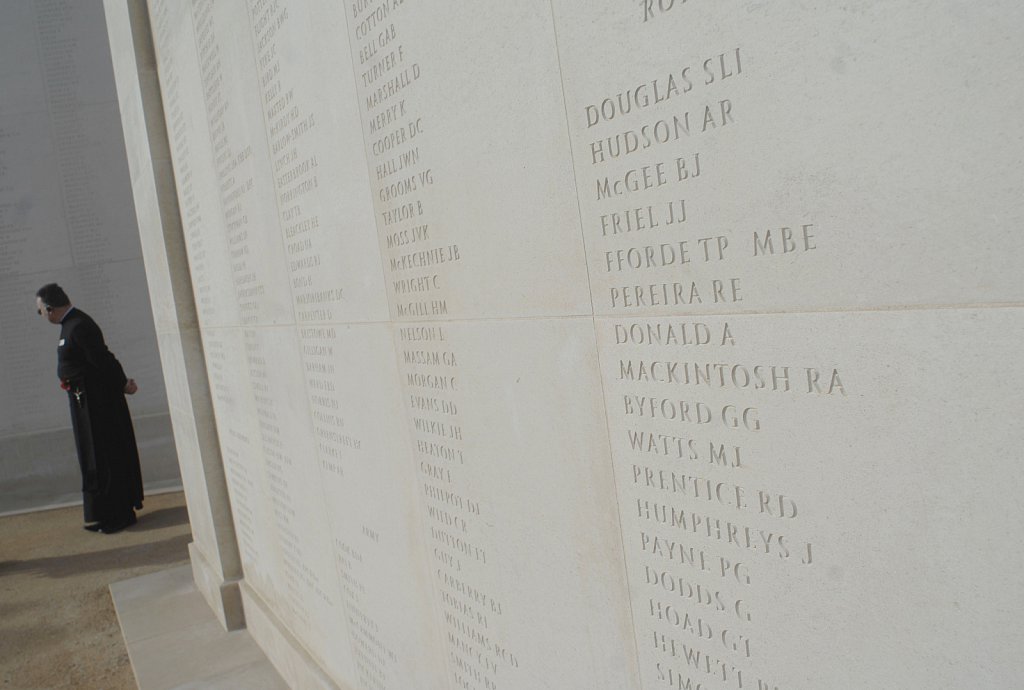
223,597
290,659
174,641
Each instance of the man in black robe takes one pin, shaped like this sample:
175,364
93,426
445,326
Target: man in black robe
96,387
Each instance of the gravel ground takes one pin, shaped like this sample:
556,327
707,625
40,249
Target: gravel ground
57,623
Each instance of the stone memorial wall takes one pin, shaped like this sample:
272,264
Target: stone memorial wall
66,216
607,344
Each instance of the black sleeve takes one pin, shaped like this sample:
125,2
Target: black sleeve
89,338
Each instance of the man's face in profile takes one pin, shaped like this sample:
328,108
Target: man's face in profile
45,311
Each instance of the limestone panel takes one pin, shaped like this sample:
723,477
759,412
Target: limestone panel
241,450
467,148
511,454
198,189
24,88
775,156
248,212
295,499
372,496
35,230
290,660
783,498
264,501
95,186
320,180
69,52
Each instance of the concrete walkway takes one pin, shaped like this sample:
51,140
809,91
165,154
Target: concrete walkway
175,642
57,623
60,585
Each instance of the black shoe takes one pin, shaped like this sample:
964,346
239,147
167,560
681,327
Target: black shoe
93,527
115,527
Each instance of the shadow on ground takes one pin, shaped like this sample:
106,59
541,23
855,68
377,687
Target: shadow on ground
157,553
159,519
58,630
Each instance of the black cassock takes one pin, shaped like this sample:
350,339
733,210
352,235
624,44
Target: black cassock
102,424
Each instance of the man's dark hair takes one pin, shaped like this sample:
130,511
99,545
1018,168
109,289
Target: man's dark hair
53,295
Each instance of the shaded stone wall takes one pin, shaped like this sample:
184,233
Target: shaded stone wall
66,216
